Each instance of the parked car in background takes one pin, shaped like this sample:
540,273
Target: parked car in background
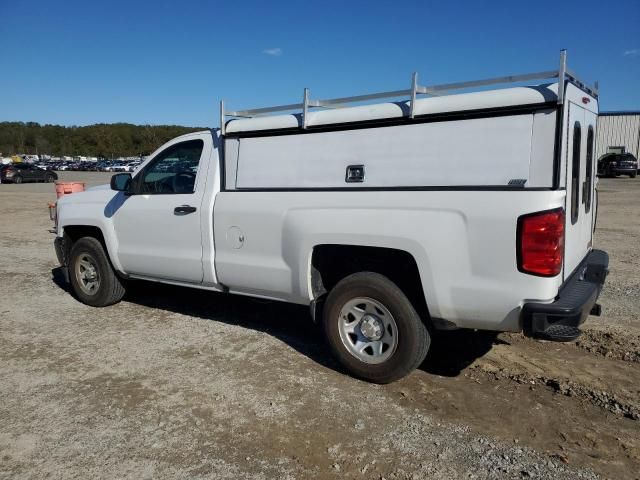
134,166
2,169
614,164
94,166
25,172
87,166
121,167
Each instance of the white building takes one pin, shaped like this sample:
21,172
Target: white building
618,132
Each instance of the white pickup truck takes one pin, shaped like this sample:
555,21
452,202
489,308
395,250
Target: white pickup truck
390,220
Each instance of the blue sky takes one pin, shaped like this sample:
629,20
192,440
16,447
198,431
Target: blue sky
161,62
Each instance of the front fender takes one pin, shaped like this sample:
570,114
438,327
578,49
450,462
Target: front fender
91,209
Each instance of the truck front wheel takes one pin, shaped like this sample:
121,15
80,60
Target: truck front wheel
373,329
93,279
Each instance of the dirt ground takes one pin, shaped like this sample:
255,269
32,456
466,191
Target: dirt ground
179,383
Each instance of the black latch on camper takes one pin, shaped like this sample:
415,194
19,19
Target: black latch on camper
355,173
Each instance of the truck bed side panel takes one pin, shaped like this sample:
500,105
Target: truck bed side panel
463,243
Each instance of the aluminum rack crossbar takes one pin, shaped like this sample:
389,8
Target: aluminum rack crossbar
562,74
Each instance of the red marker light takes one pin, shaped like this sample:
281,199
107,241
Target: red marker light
585,100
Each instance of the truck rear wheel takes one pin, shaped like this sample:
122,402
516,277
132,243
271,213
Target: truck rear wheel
373,329
93,279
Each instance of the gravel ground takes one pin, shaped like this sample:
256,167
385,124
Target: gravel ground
178,383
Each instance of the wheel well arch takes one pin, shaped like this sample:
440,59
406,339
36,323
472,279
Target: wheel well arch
330,263
73,233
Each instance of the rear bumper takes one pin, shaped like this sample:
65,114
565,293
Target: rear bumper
576,299
623,170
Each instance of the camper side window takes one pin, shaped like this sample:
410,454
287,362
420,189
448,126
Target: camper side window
575,173
589,180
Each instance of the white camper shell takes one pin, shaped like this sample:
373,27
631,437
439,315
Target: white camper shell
470,210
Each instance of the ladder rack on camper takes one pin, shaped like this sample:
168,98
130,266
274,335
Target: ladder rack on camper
563,74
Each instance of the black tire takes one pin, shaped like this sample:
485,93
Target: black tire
413,339
17,179
110,289
633,175
49,179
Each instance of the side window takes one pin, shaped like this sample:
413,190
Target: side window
589,180
173,171
575,173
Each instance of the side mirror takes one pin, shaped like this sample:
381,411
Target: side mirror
121,182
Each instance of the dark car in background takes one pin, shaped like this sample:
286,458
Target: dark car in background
614,164
25,172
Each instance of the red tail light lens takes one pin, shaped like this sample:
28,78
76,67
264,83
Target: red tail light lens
540,248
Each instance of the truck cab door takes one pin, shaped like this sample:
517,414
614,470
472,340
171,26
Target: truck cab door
158,223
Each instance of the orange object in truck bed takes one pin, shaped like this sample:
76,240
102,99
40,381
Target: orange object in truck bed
66,188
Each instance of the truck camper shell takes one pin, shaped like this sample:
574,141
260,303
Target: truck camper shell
505,138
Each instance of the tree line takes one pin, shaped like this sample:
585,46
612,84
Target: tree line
99,140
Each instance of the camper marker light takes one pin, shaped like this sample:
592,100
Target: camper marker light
540,247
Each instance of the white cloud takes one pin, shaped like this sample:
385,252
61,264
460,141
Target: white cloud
631,53
274,52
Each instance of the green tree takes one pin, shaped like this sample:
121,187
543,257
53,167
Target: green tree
104,140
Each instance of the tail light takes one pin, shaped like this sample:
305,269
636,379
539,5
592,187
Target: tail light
540,243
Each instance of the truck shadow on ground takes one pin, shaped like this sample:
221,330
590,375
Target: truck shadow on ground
450,354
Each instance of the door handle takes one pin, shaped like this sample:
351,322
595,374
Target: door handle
184,210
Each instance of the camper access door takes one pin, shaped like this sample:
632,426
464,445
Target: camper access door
580,171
